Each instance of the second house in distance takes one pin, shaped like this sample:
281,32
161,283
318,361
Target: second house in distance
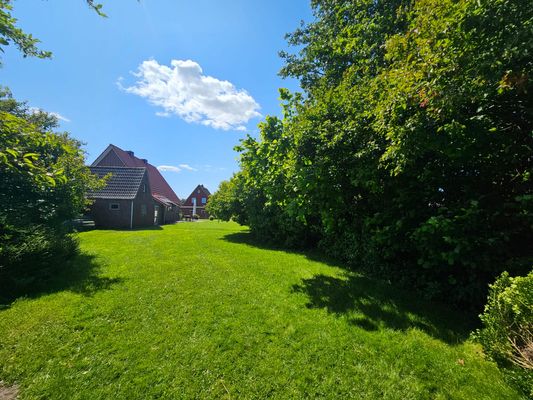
195,203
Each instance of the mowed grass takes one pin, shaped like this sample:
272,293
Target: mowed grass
197,310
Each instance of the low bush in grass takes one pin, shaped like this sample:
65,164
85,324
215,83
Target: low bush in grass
31,257
507,334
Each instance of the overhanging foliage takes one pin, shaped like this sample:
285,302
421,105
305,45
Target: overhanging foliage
410,152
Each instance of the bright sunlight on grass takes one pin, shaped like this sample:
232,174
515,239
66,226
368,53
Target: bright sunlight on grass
197,310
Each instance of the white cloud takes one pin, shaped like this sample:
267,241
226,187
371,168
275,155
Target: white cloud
179,168
170,168
187,167
211,168
60,117
35,110
183,90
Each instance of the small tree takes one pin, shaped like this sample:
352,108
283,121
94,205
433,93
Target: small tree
43,185
224,203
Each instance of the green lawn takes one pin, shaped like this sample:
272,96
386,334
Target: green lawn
197,310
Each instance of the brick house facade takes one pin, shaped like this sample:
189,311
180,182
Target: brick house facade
196,202
136,194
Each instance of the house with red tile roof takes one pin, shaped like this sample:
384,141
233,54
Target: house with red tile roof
195,203
136,193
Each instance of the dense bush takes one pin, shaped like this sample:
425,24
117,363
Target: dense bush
43,179
507,334
29,258
224,203
409,154
43,185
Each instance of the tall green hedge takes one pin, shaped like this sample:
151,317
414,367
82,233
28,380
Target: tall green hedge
409,153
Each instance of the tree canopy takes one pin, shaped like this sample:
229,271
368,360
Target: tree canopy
43,186
10,33
410,151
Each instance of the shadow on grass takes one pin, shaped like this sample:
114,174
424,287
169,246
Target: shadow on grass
371,304
245,237
79,274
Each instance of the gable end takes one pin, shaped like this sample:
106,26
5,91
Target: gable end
109,158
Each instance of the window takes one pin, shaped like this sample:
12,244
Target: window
144,188
114,206
204,200
143,210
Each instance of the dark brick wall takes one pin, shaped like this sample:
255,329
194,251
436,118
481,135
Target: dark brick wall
104,217
187,211
144,197
111,160
171,214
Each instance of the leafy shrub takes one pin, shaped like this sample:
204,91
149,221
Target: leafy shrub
410,153
195,216
507,333
43,185
225,203
31,257
211,218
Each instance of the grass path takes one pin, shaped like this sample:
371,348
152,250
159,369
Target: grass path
197,311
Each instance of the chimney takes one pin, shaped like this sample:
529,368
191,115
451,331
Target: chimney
130,152
144,160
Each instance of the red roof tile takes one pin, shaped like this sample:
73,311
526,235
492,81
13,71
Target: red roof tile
158,184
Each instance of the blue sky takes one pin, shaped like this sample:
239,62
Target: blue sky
113,80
